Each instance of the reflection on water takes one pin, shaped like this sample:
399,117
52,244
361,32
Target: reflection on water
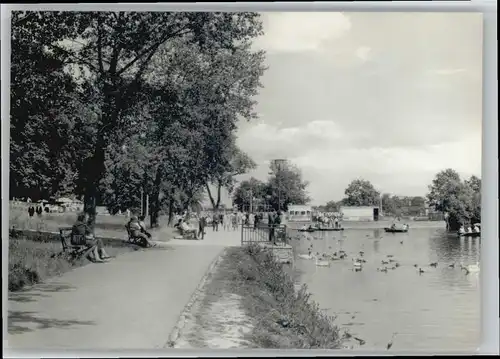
437,310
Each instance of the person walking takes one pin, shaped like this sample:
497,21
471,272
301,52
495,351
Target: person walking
270,224
202,223
215,222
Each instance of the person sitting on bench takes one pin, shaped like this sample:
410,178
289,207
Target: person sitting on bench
143,226
82,229
135,231
187,230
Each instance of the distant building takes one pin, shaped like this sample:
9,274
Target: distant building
299,213
360,213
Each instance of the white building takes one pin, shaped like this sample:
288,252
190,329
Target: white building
360,213
299,213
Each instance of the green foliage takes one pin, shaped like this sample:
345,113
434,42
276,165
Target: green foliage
460,200
403,206
284,318
130,101
286,186
243,193
361,193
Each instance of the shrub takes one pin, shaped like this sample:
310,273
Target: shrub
284,317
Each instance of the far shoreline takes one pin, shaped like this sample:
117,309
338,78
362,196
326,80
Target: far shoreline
348,225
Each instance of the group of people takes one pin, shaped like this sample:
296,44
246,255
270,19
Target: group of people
329,220
476,228
82,234
231,221
38,210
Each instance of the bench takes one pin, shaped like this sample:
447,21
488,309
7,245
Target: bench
73,251
135,240
188,235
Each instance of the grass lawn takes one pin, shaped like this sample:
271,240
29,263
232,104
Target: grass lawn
106,226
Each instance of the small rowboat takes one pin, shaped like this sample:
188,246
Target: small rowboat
309,230
473,234
330,229
395,230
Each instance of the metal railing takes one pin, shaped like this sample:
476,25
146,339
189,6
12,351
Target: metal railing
264,233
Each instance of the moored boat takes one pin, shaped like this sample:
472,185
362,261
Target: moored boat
473,234
395,230
310,230
330,229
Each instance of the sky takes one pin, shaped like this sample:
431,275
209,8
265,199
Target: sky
392,98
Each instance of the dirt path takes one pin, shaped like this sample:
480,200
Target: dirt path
132,302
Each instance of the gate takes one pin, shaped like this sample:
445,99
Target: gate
264,233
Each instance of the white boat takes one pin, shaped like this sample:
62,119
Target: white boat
307,256
322,263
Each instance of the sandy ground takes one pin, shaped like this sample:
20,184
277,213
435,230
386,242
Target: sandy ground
220,324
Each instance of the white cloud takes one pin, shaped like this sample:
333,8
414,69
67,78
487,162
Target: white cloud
297,32
363,53
329,160
264,140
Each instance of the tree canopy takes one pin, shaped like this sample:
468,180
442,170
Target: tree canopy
459,200
361,193
284,186
131,101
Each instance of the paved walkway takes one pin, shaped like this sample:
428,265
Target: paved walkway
132,302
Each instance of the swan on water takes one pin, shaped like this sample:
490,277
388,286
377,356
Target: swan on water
472,267
357,263
322,263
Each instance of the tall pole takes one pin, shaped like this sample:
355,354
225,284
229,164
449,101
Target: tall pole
251,201
278,182
142,201
147,206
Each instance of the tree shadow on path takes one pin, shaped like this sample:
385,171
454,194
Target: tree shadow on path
24,322
41,290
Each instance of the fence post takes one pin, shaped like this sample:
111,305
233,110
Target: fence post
242,234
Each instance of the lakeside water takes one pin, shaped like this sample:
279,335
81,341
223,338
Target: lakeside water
438,310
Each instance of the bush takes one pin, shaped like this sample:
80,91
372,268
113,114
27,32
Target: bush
284,318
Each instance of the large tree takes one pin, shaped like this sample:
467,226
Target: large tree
361,193
245,193
457,199
286,186
113,51
237,163
44,117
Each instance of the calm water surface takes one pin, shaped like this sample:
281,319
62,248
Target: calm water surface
438,310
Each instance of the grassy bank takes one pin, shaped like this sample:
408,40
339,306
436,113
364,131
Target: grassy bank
250,291
105,226
31,262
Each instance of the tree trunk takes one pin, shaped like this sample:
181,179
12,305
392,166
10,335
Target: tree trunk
155,209
219,187
95,172
212,200
171,209
155,200
453,223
